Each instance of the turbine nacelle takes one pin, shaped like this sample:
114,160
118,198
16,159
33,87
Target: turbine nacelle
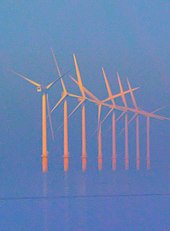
39,89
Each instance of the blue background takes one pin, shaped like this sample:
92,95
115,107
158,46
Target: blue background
129,36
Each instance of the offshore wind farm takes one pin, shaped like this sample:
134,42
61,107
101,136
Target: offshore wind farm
86,97
84,132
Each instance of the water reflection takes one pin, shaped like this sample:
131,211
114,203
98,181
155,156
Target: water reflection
75,209
45,202
66,203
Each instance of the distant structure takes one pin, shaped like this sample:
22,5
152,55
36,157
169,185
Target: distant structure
109,102
45,110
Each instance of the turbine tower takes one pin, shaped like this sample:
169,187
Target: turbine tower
45,108
126,125
137,127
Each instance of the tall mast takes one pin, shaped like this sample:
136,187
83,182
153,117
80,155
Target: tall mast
148,141
44,134
66,155
100,147
137,144
113,142
84,152
126,143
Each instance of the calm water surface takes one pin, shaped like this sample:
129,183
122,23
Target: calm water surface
92,200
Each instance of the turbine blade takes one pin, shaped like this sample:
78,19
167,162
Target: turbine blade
58,70
75,109
56,63
99,112
158,109
27,79
78,76
119,94
132,118
52,83
107,115
50,118
120,116
121,90
108,86
99,121
85,90
150,114
73,95
132,95
58,103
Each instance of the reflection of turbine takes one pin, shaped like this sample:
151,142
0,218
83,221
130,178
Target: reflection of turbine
45,108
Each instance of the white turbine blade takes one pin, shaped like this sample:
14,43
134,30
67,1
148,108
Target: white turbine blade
75,109
151,114
107,115
108,86
58,70
78,76
85,89
73,95
119,94
56,63
52,83
99,112
121,90
158,109
122,114
58,103
50,118
27,79
98,119
132,118
132,95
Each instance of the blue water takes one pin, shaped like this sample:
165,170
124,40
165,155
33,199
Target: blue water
93,200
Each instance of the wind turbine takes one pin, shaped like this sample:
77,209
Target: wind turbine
84,148
126,125
114,155
137,111
45,107
122,93
137,128
136,115
82,99
99,103
65,94
93,99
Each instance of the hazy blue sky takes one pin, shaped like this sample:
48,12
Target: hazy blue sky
129,36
